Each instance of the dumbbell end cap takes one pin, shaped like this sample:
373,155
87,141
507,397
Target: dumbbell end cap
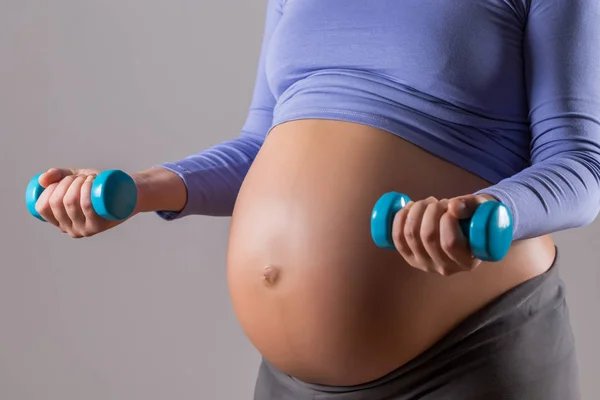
114,195
493,232
32,193
382,218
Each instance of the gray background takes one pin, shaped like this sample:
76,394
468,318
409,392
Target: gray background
142,311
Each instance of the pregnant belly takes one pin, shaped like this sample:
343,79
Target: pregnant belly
310,289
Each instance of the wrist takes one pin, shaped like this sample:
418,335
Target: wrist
159,189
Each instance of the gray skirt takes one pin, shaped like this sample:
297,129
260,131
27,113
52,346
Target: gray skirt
519,347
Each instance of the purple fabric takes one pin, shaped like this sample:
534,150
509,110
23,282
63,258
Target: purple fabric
506,89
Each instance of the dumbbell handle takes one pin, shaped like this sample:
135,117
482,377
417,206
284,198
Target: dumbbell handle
489,231
113,195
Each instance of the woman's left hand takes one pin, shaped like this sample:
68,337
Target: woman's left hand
428,235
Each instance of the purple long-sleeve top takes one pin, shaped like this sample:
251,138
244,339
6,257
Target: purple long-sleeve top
506,89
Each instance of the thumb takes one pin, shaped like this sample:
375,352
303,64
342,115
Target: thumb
464,207
55,174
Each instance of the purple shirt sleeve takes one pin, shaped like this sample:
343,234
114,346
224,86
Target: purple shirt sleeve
561,188
213,177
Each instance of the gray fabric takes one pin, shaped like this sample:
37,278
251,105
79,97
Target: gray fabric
520,347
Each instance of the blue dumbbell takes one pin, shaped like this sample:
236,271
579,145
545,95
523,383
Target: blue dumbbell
114,195
489,231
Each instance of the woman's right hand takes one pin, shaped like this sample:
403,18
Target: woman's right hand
66,202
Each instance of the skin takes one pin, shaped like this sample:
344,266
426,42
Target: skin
342,311
311,291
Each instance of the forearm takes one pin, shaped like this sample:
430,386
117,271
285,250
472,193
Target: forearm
205,183
557,194
159,190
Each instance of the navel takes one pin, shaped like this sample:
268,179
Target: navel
270,275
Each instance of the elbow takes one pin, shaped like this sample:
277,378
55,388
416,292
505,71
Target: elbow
589,206
579,203
586,218
590,211
588,162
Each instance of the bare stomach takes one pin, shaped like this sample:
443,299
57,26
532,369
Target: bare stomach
310,289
